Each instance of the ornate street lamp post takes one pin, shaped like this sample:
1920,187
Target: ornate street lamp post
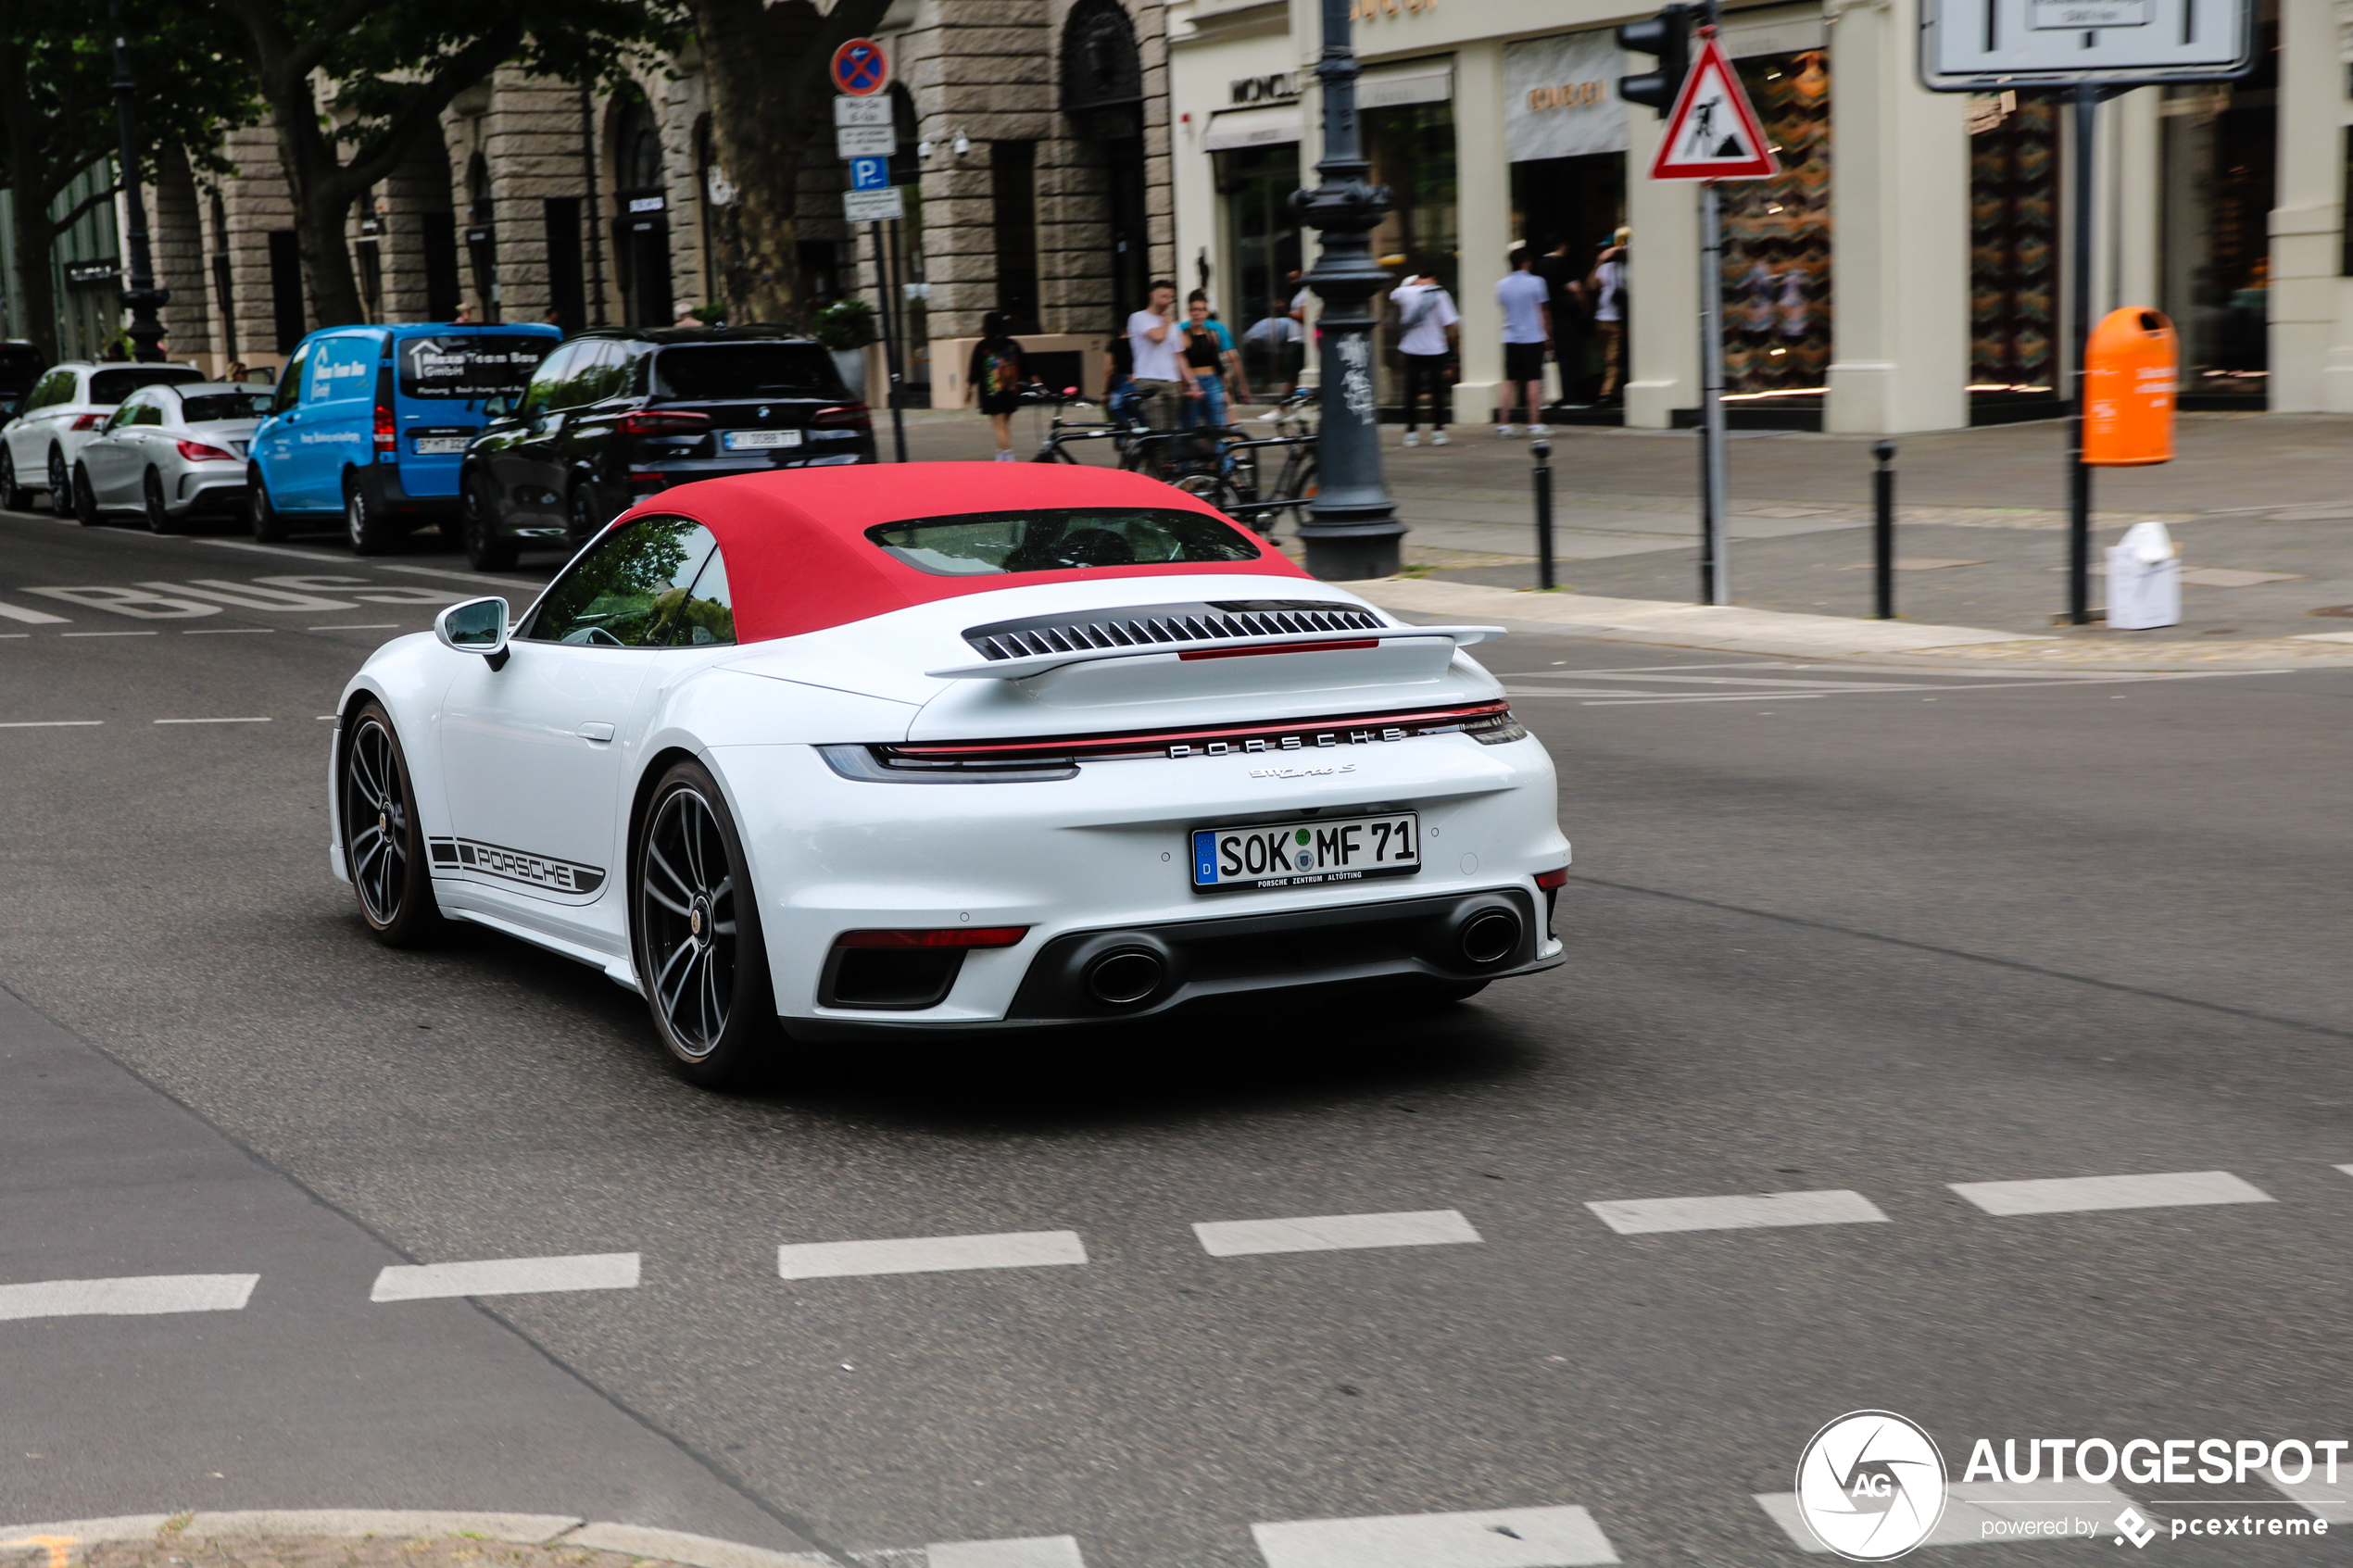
1352,530
142,299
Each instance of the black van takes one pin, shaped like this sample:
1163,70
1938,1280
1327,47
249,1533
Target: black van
615,416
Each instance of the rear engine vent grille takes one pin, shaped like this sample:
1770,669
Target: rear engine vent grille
1151,625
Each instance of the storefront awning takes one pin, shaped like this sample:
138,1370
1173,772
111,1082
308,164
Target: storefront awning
1269,127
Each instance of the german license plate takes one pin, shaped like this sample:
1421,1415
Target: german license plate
753,440
1306,853
439,445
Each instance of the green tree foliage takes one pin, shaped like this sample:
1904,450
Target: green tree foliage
397,65
57,114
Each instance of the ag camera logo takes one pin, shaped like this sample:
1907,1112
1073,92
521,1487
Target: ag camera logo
1871,1485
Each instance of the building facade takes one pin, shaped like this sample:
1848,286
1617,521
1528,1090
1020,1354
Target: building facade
1033,154
1906,271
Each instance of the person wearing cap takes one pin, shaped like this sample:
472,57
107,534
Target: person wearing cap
1606,289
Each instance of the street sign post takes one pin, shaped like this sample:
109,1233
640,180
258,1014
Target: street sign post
865,135
2099,48
1713,134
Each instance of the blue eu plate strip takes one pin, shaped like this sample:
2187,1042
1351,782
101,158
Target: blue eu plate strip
1205,859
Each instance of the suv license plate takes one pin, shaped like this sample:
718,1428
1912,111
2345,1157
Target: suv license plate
438,446
751,440
1306,853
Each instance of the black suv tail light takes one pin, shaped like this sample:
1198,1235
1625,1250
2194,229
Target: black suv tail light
845,415
662,421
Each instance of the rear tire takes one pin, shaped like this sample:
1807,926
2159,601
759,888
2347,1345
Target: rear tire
364,525
60,484
384,845
695,934
85,500
159,519
268,523
584,513
1311,484
14,497
488,549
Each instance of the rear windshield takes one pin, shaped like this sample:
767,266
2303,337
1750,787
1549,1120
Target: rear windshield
714,370
215,407
113,386
471,367
1058,539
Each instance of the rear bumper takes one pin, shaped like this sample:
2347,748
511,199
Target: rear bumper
216,487
646,479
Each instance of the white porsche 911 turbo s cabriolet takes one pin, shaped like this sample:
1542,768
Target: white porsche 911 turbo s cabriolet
848,753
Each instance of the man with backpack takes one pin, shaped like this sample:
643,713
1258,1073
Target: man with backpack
1426,338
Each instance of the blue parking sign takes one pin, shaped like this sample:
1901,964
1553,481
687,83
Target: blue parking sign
869,173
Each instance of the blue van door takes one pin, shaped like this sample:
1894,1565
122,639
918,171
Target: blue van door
336,417
273,441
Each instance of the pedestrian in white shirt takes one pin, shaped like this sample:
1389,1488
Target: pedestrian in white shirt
1156,382
1425,321
1527,300
1608,286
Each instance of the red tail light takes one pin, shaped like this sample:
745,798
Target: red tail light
197,452
846,416
662,421
1191,653
387,438
1548,881
89,422
954,936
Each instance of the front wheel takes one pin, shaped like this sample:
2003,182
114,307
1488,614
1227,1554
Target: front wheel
159,519
85,500
488,549
268,523
695,925
384,845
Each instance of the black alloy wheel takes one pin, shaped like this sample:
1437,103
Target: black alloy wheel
268,523
697,928
159,520
14,497
488,549
384,845
60,484
85,500
586,512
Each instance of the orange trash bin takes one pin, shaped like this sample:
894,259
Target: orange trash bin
2131,369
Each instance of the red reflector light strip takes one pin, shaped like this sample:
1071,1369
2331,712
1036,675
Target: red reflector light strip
1548,881
1158,740
387,434
954,936
1279,647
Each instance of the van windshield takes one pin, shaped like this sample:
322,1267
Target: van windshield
473,366
708,372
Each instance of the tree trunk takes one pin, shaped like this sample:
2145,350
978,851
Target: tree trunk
321,199
766,63
36,237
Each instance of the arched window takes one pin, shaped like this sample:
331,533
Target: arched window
641,227
637,146
1102,74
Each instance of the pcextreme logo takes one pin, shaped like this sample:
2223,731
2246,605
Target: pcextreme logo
1871,1485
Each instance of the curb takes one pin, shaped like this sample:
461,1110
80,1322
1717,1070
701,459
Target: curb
519,1529
1784,632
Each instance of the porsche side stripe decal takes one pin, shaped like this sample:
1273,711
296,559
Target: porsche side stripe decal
516,865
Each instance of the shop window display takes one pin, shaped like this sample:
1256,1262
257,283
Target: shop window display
2220,144
1777,237
2014,243
1410,149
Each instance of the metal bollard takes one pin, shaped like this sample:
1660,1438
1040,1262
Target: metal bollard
1884,528
1543,452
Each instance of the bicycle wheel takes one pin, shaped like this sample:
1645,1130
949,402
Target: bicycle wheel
1310,481
1210,487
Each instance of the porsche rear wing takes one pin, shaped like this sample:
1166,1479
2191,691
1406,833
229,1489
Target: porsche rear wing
1029,665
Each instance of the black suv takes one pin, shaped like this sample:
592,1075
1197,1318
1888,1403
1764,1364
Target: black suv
615,416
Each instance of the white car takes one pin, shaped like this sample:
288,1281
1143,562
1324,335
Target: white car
61,414
170,453
835,754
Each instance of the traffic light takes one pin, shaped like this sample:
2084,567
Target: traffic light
1665,36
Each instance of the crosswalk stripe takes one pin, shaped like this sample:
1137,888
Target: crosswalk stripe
123,1298
1502,1538
506,1276
1031,1551
1989,1513
2069,1195
1644,1216
1334,1232
930,1254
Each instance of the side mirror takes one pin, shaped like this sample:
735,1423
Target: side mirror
476,626
498,405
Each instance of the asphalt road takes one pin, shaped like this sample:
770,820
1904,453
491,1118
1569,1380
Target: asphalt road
1865,930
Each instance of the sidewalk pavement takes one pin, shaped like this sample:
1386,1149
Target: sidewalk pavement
373,1539
2261,504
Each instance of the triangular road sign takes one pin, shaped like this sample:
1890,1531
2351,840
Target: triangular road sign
1713,134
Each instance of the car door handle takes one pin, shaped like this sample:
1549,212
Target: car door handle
597,731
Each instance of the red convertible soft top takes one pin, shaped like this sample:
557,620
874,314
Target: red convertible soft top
799,559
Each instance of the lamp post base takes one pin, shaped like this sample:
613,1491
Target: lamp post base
1352,553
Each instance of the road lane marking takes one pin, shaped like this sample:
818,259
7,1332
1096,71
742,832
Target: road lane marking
33,617
506,1276
249,595
1646,1216
124,1297
231,632
1334,1232
212,721
1655,701
371,626
1032,1552
109,634
49,724
2072,1195
1975,1510
916,1255
1503,1538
